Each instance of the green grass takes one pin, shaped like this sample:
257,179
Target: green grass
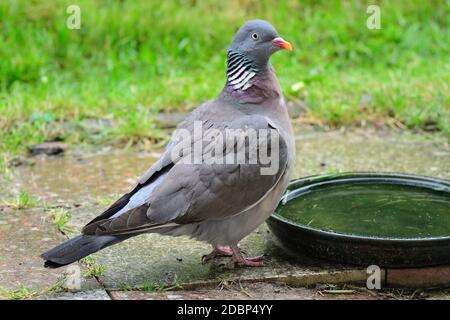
132,59
61,219
23,201
20,293
23,292
92,267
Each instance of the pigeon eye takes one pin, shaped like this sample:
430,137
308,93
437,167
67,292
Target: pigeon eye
255,36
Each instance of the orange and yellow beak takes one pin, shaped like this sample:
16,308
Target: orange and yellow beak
283,44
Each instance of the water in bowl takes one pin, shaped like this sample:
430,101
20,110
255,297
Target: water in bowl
375,210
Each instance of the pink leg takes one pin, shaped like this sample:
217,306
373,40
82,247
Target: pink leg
224,251
217,251
246,261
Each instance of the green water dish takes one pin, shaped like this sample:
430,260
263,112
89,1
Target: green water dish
386,219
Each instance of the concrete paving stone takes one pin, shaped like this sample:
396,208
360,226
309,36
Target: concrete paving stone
371,150
24,234
86,179
98,294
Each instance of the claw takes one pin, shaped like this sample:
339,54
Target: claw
255,259
239,258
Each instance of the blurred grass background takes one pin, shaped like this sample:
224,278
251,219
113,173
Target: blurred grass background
133,59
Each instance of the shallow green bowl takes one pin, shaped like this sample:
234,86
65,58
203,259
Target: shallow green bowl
359,249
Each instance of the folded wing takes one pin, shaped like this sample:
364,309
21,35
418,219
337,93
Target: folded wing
176,192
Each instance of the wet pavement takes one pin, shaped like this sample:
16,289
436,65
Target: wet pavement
23,234
371,150
82,179
86,184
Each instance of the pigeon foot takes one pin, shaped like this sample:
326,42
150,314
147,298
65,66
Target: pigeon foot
217,251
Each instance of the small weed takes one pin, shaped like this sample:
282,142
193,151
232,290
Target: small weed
23,292
20,293
93,268
61,218
22,201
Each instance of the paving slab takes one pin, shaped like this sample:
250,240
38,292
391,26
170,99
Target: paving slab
96,294
371,150
24,234
70,180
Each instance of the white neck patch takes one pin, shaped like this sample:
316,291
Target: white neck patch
240,70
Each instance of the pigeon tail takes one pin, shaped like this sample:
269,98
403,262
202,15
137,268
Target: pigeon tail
76,248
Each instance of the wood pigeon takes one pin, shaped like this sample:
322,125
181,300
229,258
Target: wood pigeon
212,201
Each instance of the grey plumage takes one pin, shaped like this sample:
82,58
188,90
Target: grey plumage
216,203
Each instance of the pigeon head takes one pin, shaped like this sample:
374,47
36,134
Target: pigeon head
250,50
258,40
